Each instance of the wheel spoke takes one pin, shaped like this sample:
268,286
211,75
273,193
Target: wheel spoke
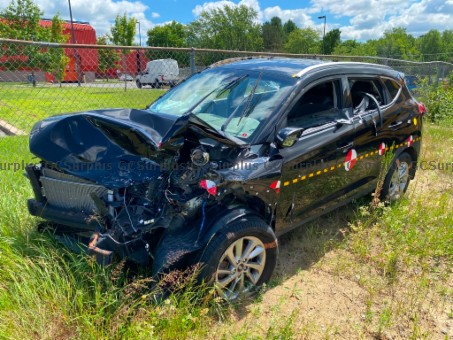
230,256
224,272
226,281
238,249
250,246
256,266
257,251
252,277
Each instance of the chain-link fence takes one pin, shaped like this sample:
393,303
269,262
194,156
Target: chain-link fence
38,79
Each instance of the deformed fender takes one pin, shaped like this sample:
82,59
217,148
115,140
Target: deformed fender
177,247
219,222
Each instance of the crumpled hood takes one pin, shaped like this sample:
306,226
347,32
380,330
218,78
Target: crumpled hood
104,146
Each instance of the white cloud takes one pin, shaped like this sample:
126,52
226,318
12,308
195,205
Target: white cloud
209,6
155,15
369,19
100,13
299,16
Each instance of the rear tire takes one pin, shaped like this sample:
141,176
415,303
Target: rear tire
157,85
398,178
241,257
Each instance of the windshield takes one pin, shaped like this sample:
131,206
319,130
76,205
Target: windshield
235,102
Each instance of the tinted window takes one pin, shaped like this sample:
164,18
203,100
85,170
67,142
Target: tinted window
393,87
319,105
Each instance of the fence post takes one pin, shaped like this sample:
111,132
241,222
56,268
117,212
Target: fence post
192,61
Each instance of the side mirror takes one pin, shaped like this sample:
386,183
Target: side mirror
288,136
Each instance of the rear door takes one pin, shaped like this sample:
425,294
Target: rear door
374,105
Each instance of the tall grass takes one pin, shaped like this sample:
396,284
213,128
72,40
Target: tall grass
399,254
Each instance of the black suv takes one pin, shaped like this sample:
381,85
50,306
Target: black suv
219,166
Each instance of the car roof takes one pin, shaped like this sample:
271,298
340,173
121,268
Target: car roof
296,67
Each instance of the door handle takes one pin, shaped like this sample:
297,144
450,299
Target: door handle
395,125
345,147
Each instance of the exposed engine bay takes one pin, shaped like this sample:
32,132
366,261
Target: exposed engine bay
134,186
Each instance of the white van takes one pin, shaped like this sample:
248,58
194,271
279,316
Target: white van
159,72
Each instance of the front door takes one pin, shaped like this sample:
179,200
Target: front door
314,173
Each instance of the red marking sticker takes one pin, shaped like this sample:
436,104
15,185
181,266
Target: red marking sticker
244,135
210,186
382,147
410,141
351,159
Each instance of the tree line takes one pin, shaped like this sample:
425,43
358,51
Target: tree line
237,28
229,28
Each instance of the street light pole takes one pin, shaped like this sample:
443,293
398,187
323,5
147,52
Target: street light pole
324,35
139,33
76,57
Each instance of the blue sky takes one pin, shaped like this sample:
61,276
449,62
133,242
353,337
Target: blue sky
357,19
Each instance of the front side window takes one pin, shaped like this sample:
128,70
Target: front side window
235,102
318,105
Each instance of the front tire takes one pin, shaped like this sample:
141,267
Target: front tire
139,84
398,178
240,258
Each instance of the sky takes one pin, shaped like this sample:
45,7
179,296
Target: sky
357,19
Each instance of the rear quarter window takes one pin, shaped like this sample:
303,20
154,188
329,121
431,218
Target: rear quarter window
392,87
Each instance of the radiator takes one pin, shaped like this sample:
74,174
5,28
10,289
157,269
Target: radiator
70,192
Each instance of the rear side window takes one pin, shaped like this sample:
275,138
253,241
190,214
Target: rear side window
360,89
393,88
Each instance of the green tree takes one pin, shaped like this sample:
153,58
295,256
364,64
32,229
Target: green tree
123,30
273,35
21,20
230,28
332,40
173,35
431,45
447,39
303,41
396,43
107,57
354,48
288,27
55,59
123,33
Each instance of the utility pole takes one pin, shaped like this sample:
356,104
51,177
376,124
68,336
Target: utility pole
324,35
139,66
76,57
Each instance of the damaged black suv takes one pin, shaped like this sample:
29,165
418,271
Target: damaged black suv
219,166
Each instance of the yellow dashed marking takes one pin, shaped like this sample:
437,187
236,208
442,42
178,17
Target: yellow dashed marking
333,167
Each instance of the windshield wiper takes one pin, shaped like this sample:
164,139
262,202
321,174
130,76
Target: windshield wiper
247,105
227,87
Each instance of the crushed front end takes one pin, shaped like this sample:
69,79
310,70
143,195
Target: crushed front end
132,187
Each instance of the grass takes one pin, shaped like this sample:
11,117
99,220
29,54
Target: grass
22,105
357,273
